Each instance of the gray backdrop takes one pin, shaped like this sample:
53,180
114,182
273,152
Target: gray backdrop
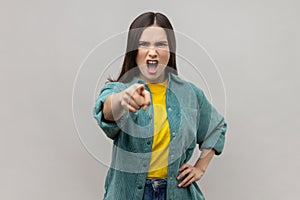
255,45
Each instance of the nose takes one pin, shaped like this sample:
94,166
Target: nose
152,52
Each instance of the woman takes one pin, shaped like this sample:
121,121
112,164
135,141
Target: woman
155,120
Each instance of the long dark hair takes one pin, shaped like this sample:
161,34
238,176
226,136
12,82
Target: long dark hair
135,31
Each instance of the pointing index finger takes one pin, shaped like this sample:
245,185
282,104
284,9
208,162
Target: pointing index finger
146,96
140,89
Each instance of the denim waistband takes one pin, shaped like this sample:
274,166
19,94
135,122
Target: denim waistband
156,181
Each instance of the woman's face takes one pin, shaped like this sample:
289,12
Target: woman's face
153,54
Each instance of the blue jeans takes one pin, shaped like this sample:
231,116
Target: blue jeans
155,189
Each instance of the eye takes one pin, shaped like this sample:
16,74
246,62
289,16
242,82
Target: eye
143,44
162,44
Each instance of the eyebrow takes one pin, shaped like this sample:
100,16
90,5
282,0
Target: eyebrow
163,41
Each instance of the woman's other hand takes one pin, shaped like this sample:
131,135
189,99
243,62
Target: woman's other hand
190,173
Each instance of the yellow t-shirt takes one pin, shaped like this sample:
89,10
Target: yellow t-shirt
161,139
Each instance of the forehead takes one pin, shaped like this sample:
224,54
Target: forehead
153,33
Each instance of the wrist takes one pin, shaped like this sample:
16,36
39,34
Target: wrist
117,105
201,168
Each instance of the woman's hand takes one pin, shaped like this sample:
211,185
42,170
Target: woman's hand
135,97
192,174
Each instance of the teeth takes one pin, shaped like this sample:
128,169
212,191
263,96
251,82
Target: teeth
152,62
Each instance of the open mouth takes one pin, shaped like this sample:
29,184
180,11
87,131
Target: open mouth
152,66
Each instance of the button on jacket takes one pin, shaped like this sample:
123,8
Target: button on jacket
192,120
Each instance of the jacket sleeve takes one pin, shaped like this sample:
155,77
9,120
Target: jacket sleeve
211,125
110,128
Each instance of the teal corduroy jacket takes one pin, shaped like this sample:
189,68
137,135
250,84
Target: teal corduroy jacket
192,120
